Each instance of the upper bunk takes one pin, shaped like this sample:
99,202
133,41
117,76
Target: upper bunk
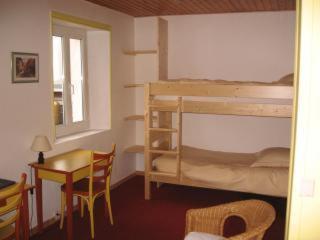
223,97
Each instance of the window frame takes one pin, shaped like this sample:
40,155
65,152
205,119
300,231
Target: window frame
66,33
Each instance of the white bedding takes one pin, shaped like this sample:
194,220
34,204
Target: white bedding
228,171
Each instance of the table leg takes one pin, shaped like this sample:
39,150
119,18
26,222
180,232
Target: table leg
38,182
25,220
69,199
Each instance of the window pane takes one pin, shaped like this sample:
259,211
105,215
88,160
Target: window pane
76,75
58,79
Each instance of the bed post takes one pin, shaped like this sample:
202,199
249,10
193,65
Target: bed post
147,154
179,136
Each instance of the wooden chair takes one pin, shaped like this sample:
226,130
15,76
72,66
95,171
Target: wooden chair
257,215
10,207
88,189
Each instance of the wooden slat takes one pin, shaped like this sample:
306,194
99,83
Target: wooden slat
227,108
164,178
219,90
135,149
131,85
163,151
244,109
136,52
164,174
163,105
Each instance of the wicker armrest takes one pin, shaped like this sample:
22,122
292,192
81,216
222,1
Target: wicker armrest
257,215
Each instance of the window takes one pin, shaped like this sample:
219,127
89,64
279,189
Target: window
69,80
81,59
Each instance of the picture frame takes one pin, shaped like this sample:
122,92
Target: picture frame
24,67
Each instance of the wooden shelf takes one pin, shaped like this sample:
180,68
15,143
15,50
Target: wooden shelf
131,85
135,52
135,149
134,118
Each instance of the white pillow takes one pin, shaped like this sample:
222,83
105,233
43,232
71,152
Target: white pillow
273,157
203,236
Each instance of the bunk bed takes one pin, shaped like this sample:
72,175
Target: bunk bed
168,161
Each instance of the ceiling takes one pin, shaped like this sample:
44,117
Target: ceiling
144,8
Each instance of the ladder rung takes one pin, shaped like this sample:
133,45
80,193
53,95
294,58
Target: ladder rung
162,105
173,175
163,108
163,129
163,151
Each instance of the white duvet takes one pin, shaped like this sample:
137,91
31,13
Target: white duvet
227,171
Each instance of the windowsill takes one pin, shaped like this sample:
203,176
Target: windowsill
79,135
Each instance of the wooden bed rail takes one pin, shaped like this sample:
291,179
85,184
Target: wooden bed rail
225,108
221,90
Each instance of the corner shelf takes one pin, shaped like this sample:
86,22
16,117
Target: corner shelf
136,52
138,118
134,118
135,149
132,85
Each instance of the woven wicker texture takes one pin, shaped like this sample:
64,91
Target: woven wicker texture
257,215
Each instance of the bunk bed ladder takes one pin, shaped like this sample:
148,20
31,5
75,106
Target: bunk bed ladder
162,134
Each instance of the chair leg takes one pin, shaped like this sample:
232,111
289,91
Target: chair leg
107,198
63,204
90,207
17,228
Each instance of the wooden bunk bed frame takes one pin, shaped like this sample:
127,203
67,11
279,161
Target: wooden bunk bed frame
163,133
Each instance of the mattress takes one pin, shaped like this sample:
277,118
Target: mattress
227,171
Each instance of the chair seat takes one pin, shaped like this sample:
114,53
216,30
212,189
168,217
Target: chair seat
6,232
81,187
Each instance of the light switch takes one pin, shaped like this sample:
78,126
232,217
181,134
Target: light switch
307,187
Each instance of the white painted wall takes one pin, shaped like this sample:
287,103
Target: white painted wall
25,109
99,66
237,46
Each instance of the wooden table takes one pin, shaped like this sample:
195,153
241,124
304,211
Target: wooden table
24,211
64,168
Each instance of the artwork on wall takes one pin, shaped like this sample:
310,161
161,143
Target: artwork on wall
25,67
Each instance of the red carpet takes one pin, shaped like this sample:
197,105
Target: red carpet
162,218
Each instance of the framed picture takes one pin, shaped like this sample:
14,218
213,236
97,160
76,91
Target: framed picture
25,67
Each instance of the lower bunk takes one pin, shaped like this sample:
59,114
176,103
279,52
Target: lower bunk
264,172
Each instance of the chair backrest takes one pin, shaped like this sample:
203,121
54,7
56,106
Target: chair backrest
102,163
257,215
10,202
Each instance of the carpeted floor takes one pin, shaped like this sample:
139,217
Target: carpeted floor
162,218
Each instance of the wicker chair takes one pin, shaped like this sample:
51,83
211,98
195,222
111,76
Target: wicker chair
257,215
